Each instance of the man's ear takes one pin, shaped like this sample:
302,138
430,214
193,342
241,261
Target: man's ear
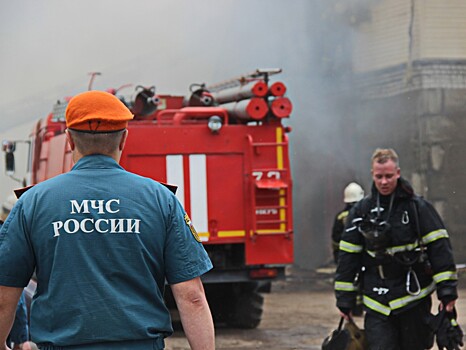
70,140
123,139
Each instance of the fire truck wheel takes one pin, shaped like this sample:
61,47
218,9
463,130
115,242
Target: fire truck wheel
247,313
237,305
265,287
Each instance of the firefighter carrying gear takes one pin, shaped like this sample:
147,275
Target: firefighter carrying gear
449,334
399,278
347,337
416,230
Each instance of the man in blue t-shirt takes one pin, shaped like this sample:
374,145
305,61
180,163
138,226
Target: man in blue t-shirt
103,243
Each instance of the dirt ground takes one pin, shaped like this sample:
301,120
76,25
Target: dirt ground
298,314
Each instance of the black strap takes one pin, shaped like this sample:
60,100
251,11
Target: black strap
418,227
392,199
340,325
421,245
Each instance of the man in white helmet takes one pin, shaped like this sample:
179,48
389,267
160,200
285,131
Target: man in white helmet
353,193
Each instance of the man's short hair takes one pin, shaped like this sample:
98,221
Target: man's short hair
383,155
98,143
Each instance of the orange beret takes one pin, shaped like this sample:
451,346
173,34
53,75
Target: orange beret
97,111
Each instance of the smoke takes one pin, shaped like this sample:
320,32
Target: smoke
49,47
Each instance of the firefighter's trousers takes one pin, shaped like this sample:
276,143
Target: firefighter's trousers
405,331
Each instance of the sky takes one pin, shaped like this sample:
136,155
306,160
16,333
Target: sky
49,47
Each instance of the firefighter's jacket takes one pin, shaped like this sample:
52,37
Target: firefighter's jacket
389,280
338,228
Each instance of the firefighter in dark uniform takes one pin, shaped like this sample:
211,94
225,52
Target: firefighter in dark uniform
402,242
351,195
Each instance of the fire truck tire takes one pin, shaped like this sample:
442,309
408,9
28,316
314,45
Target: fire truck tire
237,305
247,313
265,287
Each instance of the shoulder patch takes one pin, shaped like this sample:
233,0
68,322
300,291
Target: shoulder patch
191,227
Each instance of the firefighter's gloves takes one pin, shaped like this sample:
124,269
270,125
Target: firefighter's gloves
449,333
448,303
345,312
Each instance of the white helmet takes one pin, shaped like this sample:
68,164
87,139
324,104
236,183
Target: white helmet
353,193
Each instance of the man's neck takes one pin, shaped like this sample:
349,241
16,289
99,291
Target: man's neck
78,155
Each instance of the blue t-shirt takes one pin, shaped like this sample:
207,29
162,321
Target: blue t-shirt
103,241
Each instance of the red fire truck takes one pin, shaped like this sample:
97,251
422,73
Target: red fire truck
226,149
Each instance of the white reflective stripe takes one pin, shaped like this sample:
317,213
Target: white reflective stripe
446,275
198,190
375,305
175,174
397,303
434,235
403,248
403,301
397,249
345,286
350,247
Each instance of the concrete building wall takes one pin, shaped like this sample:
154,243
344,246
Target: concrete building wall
400,31
444,141
441,29
381,40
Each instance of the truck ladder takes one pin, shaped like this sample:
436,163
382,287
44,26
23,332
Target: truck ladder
270,185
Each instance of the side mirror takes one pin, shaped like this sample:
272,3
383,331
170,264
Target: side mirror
9,148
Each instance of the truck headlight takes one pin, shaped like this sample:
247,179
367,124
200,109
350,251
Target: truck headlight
215,124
